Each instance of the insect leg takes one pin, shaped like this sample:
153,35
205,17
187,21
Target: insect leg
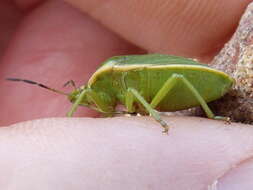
130,101
76,103
168,85
202,102
100,104
151,111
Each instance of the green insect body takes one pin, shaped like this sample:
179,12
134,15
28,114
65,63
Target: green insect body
146,83
150,83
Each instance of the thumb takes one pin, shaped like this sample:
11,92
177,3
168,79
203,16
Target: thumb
125,153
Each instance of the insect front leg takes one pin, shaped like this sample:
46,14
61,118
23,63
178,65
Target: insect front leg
76,103
101,105
134,94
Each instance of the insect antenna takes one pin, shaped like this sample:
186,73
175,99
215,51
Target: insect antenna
37,84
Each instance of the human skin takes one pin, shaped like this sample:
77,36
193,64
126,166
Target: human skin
52,42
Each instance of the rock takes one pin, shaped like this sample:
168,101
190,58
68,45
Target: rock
236,59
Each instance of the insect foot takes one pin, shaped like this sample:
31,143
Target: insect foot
226,119
165,126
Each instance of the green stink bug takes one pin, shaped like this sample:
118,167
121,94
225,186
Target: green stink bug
149,83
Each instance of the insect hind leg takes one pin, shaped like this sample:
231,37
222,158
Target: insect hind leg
202,102
196,94
171,82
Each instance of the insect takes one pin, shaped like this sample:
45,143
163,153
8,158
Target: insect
147,84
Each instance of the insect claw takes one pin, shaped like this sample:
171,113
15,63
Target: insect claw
165,131
165,126
228,120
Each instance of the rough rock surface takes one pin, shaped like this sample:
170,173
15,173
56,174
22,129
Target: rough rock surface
236,59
